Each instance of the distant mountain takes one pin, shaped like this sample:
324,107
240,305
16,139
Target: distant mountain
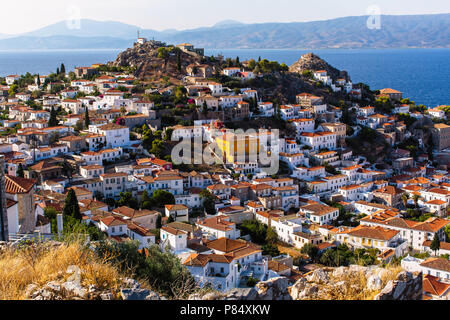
424,31
350,32
88,28
63,42
227,23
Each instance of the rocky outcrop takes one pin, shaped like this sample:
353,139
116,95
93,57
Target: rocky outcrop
407,287
73,290
144,59
312,62
358,283
343,283
273,289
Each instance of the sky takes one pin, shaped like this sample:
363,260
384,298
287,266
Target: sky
29,15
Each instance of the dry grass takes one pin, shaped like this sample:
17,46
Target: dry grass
354,286
286,249
40,264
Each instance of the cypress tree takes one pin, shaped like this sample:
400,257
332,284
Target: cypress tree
87,121
435,244
71,207
57,70
53,121
205,109
38,82
159,221
20,172
178,61
63,68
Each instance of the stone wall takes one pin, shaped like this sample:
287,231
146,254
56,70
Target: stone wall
27,220
3,212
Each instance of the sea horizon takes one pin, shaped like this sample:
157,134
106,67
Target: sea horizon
377,67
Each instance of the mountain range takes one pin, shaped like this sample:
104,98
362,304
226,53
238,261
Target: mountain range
405,31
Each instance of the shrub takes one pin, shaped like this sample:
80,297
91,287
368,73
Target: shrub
161,269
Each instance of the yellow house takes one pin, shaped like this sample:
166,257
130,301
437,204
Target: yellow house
234,145
97,65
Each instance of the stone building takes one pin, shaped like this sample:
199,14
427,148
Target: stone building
389,195
441,136
21,190
74,143
44,170
3,212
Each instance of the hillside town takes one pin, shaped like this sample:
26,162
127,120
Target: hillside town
362,176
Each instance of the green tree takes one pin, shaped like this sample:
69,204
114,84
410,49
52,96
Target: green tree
160,268
178,60
311,250
127,199
270,249
447,233
168,134
146,201
147,137
416,199
71,206
205,109
50,213
38,80
271,236
405,198
158,148
435,244
63,68
256,230
87,121
161,198
20,172
209,202
158,221
52,121
13,89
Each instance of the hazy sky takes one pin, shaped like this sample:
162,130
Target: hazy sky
28,15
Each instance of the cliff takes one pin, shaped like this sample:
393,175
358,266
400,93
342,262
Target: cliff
312,62
148,65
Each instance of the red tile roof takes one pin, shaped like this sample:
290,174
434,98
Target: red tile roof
16,185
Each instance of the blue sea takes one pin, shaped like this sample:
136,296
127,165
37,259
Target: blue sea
422,74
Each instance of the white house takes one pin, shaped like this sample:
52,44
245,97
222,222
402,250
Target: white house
319,140
179,212
173,238
116,135
266,109
319,213
113,226
438,267
303,125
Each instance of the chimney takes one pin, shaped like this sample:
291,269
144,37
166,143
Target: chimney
59,223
